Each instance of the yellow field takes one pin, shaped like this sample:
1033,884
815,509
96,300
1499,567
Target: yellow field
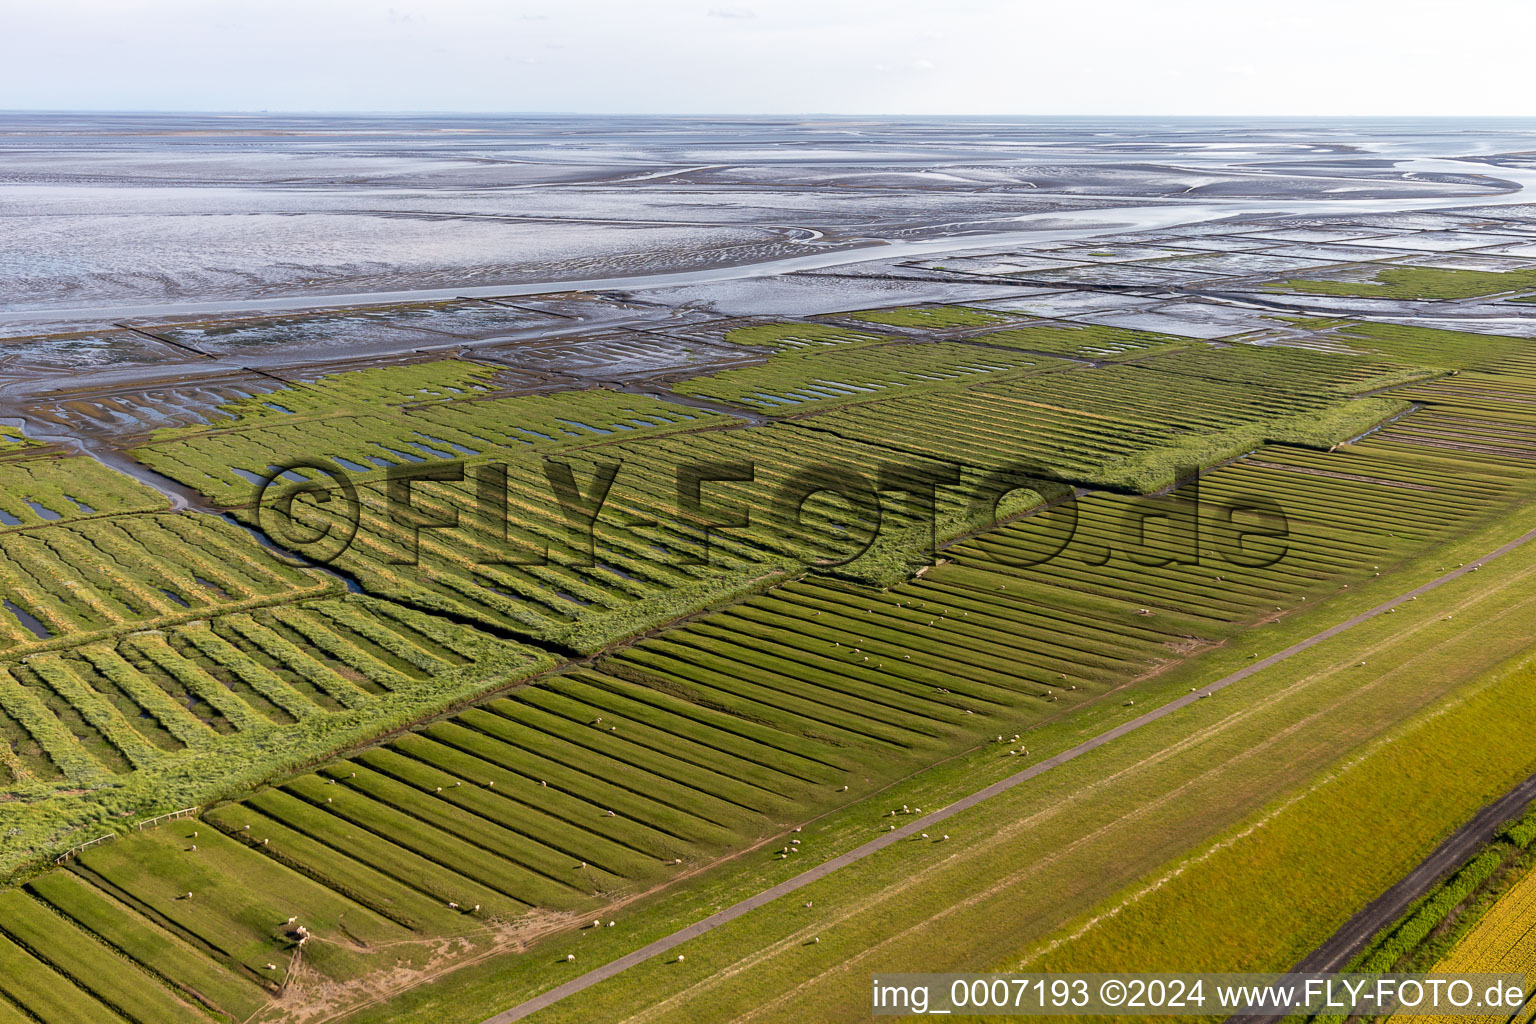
1503,941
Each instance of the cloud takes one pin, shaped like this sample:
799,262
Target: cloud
733,13
906,67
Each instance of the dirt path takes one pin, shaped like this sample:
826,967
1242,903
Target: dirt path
928,821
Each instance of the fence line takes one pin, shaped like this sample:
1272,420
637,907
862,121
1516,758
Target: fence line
185,812
75,851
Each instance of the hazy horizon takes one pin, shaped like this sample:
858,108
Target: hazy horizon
1183,58
234,112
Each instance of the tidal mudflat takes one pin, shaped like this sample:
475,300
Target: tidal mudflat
119,212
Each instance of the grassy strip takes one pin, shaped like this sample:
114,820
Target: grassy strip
45,993
239,904
1417,283
157,950
93,967
933,317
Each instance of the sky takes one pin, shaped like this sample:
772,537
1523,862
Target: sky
1301,57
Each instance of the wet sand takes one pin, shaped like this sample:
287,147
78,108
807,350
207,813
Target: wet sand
113,216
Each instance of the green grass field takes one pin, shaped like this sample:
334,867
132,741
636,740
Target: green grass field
1041,862
799,380
933,317
470,769
1418,283
545,763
